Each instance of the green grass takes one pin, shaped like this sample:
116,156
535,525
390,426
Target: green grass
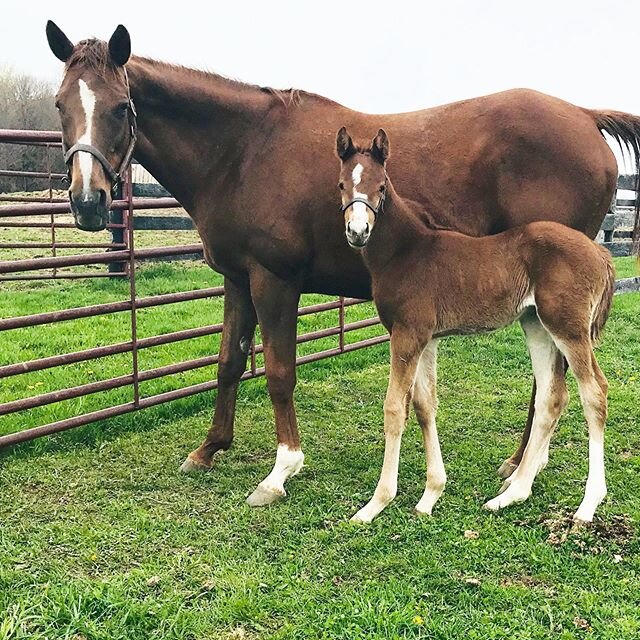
627,267
101,536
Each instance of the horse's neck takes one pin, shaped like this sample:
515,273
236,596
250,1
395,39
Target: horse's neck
192,127
397,229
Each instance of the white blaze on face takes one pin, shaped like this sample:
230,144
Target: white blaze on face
359,218
88,101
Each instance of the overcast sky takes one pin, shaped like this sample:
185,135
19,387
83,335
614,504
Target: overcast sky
374,56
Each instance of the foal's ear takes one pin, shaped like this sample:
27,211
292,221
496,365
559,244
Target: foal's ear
344,144
380,146
120,46
61,46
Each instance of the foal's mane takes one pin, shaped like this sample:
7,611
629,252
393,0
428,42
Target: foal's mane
94,54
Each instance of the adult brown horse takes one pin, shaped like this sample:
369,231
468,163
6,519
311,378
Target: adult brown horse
246,162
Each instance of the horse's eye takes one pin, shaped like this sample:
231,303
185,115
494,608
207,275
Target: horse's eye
121,110
341,186
57,105
383,188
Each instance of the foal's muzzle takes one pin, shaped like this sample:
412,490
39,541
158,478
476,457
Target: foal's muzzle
90,209
358,238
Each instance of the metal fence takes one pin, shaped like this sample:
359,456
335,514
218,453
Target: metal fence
124,253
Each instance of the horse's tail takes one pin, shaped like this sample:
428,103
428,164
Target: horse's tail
624,128
603,305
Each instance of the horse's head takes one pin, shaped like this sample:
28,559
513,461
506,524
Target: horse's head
363,183
98,120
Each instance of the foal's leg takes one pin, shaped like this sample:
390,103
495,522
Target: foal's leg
551,400
237,334
593,389
405,353
425,403
276,303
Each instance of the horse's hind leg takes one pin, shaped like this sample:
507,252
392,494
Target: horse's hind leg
425,403
551,400
512,462
237,333
405,353
593,389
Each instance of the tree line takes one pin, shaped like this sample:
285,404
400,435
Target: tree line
27,103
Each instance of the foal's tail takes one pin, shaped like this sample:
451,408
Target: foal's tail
625,129
603,305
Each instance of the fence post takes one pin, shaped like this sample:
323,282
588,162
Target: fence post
118,235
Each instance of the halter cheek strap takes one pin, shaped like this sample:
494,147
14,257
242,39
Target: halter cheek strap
114,176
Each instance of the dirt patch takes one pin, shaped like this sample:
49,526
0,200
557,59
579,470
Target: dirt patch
613,532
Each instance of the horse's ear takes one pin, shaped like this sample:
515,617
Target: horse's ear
61,46
380,146
344,144
120,46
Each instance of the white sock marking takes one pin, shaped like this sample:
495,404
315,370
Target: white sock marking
288,463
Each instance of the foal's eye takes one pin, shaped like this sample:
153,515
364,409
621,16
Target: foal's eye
383,188
341,186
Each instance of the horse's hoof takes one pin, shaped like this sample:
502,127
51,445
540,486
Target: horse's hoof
358,519
492,505
191,465
422,512
581,519
263,496
506,469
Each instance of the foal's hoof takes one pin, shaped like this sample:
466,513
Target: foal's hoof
193,465
263,496
506,469
511,495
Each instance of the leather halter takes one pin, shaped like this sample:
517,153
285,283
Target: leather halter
114,175
376,210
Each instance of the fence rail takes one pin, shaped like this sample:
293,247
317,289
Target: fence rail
122,252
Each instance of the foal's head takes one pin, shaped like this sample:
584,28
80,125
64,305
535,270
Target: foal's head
363,183
97,114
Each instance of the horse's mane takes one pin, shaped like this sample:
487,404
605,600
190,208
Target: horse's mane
94,54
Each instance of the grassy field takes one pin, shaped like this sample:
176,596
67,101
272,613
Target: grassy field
102,538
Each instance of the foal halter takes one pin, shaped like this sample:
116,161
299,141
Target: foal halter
114,176
376,210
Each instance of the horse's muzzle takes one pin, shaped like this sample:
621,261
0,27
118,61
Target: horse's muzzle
90,210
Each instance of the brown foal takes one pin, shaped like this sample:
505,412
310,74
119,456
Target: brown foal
429,283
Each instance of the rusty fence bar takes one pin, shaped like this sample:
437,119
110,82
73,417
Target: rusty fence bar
123,252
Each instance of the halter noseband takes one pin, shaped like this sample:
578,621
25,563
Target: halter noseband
376,210
114,176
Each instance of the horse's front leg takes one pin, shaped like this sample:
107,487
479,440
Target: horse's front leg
238,328
405,353
276,303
